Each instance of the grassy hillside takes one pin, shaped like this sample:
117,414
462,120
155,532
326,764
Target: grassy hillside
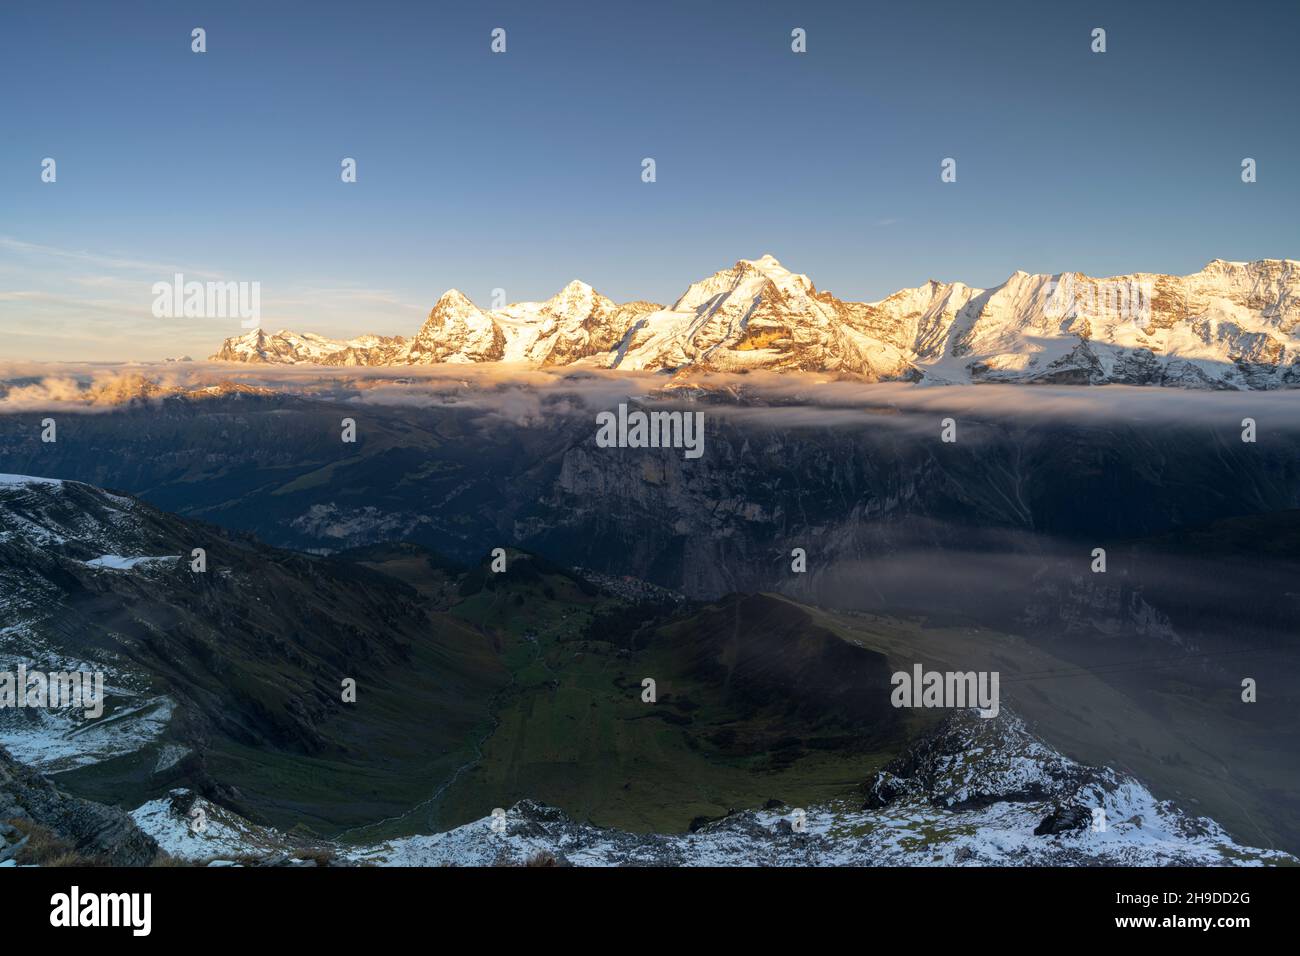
727,730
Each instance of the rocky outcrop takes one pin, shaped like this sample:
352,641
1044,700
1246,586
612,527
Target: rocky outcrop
98,832
971,762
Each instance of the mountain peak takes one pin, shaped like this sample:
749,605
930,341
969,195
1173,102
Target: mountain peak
577,302
766,264
454,298
456,331
577,294
759,315
576,285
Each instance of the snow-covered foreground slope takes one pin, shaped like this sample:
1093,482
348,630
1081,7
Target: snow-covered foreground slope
1232,325
975,792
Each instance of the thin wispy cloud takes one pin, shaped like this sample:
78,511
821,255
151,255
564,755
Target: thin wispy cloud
62,304
120,263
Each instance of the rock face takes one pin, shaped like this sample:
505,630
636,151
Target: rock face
456,331
1233,325
95,830
971,762
1063,820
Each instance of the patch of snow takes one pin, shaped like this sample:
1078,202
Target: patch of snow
54,741
116,562
14,480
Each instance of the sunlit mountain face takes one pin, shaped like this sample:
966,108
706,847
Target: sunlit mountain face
1233,325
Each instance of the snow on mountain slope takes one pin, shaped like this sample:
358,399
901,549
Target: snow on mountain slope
193,828
757,314
456,331
1233,325
974,792
116,562
291,348
50,532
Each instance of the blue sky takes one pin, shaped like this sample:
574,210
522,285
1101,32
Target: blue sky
522,170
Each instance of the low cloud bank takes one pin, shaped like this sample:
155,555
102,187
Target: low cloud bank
534,396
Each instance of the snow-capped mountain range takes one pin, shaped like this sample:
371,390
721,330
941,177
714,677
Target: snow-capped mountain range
1233,325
